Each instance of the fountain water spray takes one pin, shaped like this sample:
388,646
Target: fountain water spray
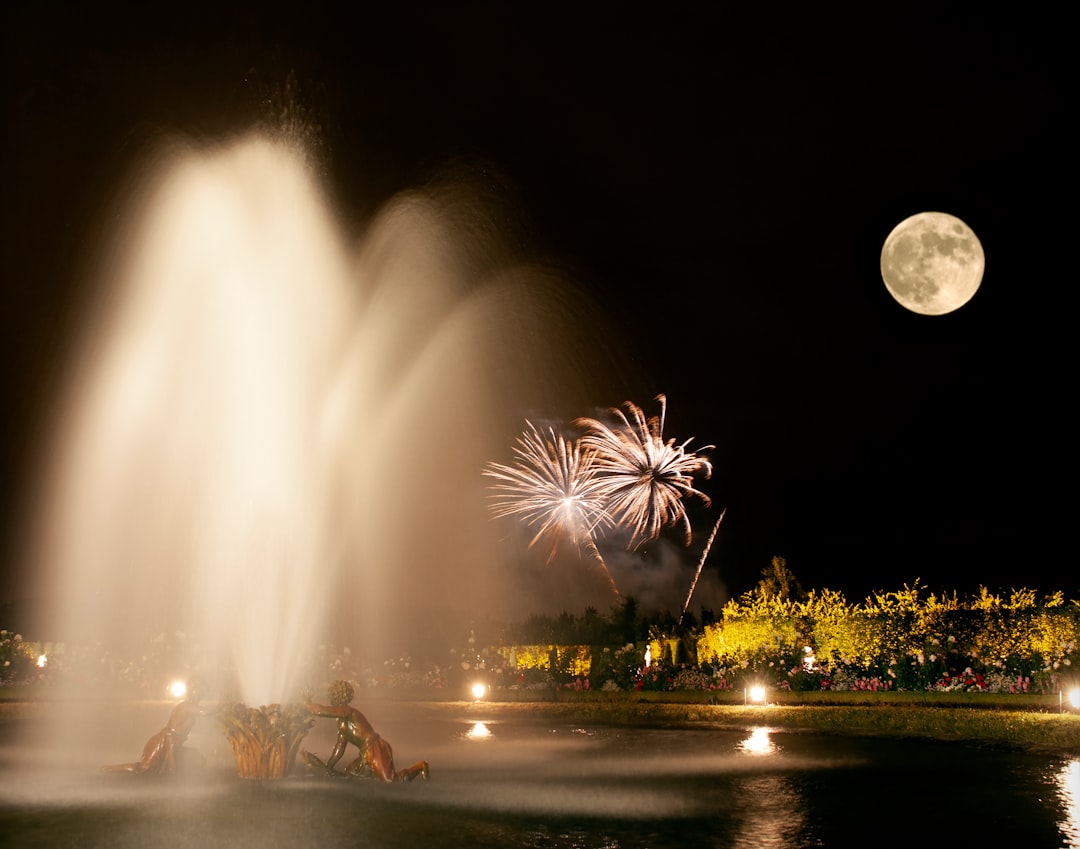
272,434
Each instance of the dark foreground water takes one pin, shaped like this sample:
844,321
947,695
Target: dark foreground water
509,780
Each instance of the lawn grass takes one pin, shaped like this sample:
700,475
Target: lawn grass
1023,729
1025,722
843,698
1035,722
1031,722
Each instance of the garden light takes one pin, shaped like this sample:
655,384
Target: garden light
479,690
178,689
41,661
756,694
1074,698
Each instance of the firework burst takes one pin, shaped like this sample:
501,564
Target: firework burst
641,478
553,487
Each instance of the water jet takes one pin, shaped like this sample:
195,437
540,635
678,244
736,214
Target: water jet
272,432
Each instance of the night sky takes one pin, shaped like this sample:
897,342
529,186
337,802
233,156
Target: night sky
720,182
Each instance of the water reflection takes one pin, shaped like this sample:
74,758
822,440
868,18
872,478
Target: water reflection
771,813
478,731
770,810
1068,781
759,742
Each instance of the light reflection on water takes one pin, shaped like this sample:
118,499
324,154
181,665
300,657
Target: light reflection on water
776,813
759,742
478,731
1068,781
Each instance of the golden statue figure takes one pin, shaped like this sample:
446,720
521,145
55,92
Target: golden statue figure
375,759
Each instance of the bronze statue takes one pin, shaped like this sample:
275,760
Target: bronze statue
163,751
376,758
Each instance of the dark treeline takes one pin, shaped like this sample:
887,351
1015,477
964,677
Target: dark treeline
625,623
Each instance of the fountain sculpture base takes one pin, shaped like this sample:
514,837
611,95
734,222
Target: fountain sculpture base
265,740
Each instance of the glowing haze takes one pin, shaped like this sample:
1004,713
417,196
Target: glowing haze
272,433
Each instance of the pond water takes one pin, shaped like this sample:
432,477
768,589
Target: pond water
510,779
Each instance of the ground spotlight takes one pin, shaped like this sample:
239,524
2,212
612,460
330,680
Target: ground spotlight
1073,698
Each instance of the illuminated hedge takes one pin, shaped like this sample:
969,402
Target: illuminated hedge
17,658
751,631
575,661
909,641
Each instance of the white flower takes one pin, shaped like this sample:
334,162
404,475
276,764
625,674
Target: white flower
933,657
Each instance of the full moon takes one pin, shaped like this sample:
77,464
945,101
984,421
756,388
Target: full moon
932,263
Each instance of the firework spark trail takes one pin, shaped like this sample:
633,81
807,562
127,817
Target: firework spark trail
701,564
552,485
644,479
